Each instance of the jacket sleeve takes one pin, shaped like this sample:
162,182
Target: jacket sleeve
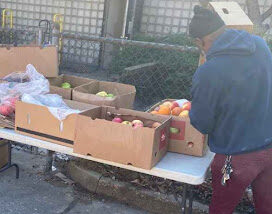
205,91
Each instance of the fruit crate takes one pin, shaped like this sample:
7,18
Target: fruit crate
187,140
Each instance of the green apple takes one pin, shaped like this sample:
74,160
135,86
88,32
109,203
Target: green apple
110,95
102,94
127,123
174,130
66,85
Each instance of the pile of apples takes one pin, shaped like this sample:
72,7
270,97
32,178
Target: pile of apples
135,123
179,108
7,107
104,94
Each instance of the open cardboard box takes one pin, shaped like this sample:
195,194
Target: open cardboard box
3,154
188,141
66,93
124,94
98,136
15,59
37,121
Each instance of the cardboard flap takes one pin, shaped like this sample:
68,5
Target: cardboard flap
15,59
231,13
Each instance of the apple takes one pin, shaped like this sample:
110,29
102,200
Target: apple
136,122
110,95
66,85
102,94
169,104
117,120
184,113
186,106
174,105
138,125
174,130
11,101
6,110
127,123
156,125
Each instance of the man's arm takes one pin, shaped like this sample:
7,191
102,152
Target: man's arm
205,99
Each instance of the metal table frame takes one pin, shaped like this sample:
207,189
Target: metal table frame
190,171
9,164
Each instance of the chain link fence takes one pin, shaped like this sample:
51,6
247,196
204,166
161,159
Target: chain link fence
158,68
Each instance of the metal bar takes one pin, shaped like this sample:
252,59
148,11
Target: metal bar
125,20
124,42
103,34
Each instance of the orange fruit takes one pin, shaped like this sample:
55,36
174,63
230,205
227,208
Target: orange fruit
176,111
154,112
184,113
165,110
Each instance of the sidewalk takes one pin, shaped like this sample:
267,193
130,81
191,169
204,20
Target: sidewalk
35,193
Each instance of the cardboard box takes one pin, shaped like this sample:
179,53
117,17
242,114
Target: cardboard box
15,59
55,85
188,141
36,121
3,154
98,136
124,94
233,15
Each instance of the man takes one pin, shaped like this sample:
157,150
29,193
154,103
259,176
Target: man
232,103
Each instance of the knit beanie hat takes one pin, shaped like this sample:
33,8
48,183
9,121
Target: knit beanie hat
204,22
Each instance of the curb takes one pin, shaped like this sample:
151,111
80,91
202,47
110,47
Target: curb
124,192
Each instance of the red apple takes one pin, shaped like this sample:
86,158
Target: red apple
11,101
117,120
136,122
138,125
186,106
5,110
174,105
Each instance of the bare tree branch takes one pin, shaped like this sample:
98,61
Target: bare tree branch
253,8
266,14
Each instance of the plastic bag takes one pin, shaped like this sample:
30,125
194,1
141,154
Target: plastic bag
15,85
53,102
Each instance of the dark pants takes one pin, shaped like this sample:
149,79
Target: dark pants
249,169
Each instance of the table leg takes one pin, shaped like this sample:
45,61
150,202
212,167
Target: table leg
191,199
9,164
184,199
49,161
187,190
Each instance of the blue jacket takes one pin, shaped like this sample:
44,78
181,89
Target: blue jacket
232,94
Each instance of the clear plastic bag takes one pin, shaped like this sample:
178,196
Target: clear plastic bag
13,86
53,102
